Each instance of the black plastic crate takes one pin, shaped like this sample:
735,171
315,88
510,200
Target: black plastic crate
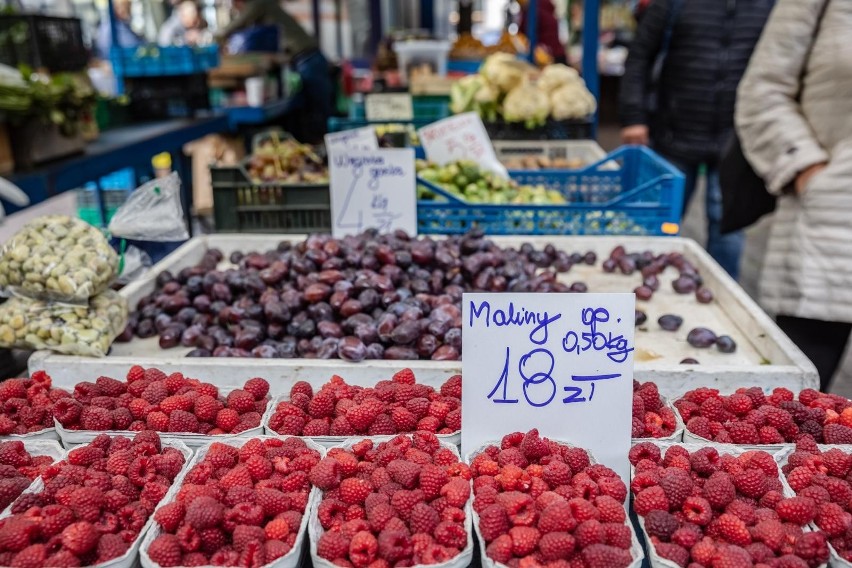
552,130
156,98
243,206
48,42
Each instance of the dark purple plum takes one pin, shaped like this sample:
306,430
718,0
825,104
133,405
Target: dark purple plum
643,293
641,317
684,285
670,322
701,337
725,344
689,361
704,295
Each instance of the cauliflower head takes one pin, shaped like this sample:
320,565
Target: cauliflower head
554,76
505,71
572,101
527,104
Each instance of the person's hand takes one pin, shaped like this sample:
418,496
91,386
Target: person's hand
805,176
635,134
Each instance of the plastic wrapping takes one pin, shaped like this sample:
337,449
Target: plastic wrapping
153,212
57,258
87,330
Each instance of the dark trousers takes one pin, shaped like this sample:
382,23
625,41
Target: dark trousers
823,342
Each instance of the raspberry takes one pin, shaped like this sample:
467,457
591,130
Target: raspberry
673,552
650,499
733,529
603,556
644,450
556,517
452,387
660,524
432,479
111,546
424,519
556,546
33,556
204,512
80,537
812,547
500,549
257,387
837,434
456,492
325,475
182,421
404,472
677,485
403,420
832,519
697,510
405,377
240,401
751,483
274,502
67,411
170,516
332,545
354,490
798,510
135,373
524,540
227,419
165,550
363,548
95,418
719,490
611,511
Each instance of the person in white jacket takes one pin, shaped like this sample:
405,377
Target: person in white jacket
794,120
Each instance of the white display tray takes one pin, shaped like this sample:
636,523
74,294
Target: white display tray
765,356
130,558
289,560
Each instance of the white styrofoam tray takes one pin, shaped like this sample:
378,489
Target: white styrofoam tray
462,560
764,356
129,558
655,560
289,560
46,434
834,559
635,548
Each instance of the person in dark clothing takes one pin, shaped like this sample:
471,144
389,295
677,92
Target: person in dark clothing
547,28
314,102
709,47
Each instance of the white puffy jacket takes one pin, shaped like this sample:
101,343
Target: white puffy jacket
794,110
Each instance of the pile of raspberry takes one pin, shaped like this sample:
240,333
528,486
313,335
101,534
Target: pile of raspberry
651,417
18,468
398,503
710,509
825,476
239,506
395,406
93,505
152,400
541,503
750,417
26,405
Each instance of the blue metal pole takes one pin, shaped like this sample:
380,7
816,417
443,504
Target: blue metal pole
427,15
375,25
532,27
591,34
315,16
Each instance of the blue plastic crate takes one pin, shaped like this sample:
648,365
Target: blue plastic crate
158,61
467,67
632,191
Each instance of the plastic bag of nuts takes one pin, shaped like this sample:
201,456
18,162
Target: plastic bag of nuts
70,329
57,258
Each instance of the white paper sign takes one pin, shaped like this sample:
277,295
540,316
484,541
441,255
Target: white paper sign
372,189
562,363
388,106
357,139
460,137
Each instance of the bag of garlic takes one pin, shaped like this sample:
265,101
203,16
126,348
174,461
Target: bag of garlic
57,258
87,330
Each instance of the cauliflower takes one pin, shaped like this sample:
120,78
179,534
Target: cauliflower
554,76
527,104
463,91
485,102
505,71
572,101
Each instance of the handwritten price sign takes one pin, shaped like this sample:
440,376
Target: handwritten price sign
388,106
460,137
356,139
562,363
372,189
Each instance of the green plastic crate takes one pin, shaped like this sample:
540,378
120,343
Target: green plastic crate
242,206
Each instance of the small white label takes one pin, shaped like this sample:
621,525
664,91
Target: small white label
357,139
460,137
389,106
372,189
562,363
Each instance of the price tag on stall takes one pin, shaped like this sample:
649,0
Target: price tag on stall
460,137
357,139
372,189
388,106
562,363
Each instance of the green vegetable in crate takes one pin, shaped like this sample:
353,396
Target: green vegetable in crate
286,161
465,180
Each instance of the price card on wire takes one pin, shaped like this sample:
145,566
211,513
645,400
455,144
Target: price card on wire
562,363
460,137
388,106
356,139
372,189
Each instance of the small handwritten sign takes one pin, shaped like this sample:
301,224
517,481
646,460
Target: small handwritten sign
460,137
372,189
388,106
356,139
562,363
